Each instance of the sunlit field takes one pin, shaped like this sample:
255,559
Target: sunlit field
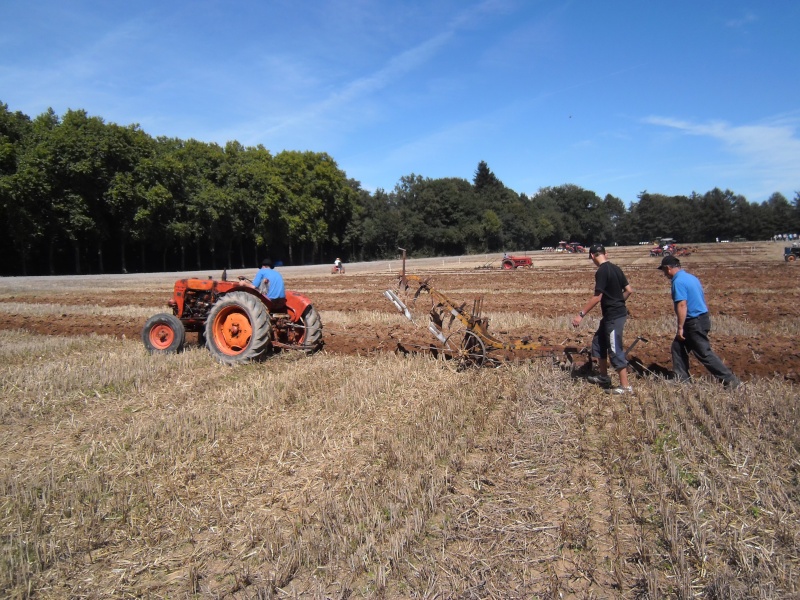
361,472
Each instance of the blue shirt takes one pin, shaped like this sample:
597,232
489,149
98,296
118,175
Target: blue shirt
686,286
272,280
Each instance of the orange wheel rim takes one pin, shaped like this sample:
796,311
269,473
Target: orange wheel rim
232,331
161,336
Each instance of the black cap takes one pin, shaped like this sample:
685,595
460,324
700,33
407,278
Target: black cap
597,249
669,261
266,263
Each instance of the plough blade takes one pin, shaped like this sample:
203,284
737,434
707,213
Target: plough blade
395,299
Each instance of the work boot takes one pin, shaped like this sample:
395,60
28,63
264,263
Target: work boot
599,379
732,384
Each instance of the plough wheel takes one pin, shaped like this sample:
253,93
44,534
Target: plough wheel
463,349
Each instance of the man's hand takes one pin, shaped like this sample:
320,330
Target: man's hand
679,334
577,321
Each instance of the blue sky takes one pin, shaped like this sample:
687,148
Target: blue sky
616,97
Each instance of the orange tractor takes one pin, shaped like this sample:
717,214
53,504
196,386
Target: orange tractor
236,322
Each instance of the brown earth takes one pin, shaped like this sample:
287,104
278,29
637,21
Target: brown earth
747,285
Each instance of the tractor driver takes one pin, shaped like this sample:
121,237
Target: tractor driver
269,282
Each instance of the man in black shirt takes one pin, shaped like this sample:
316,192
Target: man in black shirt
611,290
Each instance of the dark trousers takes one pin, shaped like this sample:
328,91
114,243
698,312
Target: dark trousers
607,341
695,334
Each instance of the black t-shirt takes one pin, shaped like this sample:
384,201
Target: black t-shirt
610,281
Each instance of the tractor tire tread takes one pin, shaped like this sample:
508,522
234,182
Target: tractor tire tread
312,341
173,323
259,318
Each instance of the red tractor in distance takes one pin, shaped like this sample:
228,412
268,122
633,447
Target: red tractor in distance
237,322
575,247
571,247
514,262
663,247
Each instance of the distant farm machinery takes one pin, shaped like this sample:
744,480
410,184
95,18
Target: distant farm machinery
509,263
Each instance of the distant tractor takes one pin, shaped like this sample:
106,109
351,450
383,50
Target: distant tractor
791,253
664,247
514,262
575,247
571,247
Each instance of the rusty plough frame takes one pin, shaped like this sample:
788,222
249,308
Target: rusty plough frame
470,343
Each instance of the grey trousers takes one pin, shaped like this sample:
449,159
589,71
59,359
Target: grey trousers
695,334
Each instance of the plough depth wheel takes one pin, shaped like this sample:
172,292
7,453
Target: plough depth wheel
463,349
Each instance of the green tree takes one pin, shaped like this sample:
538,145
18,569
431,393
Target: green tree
380,225
716,215
779,214
437,216
17,189
317,201
582,215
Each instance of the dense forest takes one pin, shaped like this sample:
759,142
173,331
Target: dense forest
79,195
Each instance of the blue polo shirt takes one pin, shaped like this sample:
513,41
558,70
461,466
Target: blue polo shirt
686,286
275,289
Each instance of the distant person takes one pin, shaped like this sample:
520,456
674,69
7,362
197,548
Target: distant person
269,282
693,325
611,291
338,265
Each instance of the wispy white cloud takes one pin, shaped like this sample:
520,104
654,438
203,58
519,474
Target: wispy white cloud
770,151
350,98
741,21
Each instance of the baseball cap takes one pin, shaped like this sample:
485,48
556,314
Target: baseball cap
669,261
597,249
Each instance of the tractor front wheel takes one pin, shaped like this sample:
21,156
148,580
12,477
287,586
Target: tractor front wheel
238,329
791,258
163,334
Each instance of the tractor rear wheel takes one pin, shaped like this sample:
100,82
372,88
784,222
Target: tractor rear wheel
791,258
163,334
238,329
307,333
508,265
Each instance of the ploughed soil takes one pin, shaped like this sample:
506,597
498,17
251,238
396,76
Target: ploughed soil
748,287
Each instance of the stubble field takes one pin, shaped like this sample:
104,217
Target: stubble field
370,470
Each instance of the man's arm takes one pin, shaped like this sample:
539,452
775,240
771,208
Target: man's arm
680,312
593,301
626,292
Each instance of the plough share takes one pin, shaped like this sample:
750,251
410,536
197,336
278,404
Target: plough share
464,334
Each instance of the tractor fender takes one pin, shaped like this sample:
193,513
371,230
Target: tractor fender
296,305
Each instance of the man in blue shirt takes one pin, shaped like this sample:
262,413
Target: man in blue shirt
693,325
269,282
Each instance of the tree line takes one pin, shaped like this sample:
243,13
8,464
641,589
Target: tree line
79,195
